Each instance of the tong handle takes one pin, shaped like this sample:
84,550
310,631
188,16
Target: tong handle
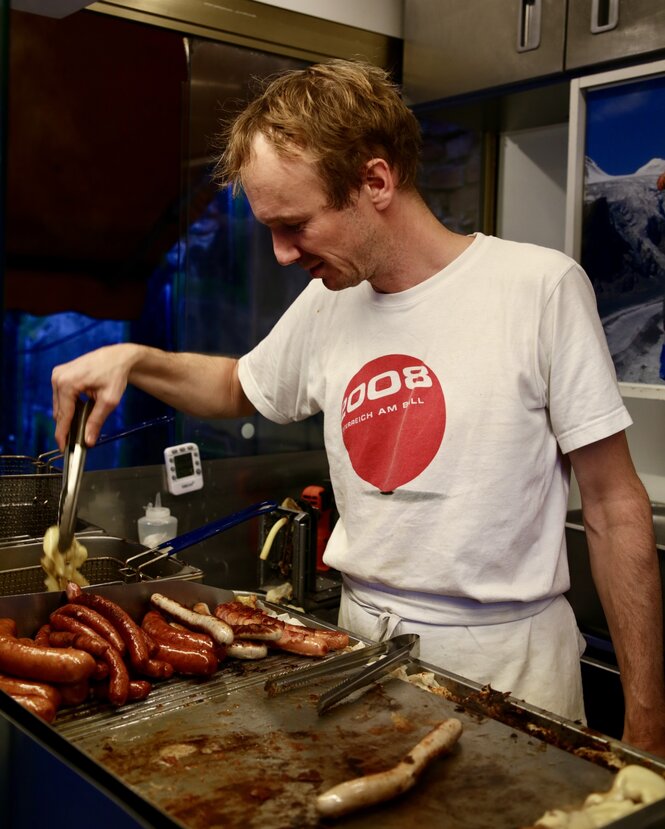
299,677
77,428
72,473
394,657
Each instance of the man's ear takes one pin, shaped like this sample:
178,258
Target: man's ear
379,182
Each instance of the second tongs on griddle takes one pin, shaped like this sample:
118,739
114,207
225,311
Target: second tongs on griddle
386,655
72,472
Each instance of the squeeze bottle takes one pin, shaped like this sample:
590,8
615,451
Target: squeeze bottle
157,524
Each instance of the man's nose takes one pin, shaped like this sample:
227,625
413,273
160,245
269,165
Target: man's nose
286,253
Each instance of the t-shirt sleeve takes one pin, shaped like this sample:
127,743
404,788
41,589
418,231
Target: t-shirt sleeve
279,375
584,400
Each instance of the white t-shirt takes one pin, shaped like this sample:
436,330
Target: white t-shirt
457,397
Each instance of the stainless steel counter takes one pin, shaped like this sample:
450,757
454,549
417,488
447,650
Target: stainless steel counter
221,752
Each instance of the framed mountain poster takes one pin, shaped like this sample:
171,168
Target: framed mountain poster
615,216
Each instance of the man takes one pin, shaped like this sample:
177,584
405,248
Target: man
460,378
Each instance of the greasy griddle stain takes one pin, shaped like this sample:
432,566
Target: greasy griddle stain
488,703
269,804
232,785
246,779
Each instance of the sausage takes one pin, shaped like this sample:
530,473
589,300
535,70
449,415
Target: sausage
300,640
44,663
156,668
240,616
375,788
220,632
68,631
256,624
96,622
118,677
246,649
159,629
43,708
150,642
8,626
130,632
334,639
138,689
87,639
65,639
202,607
74,693
188,661
61,639
257,632
42,635
26,687
101,671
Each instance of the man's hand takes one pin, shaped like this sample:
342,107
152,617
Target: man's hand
102,375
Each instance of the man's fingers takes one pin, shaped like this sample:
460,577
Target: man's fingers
63,412
96,420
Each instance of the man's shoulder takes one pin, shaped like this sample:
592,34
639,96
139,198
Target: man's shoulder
528,250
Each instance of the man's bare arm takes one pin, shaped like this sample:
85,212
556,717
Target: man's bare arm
197,384
624,564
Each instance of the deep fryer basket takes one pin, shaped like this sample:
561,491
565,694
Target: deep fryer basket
98,570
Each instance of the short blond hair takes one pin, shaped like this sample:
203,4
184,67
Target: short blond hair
342,113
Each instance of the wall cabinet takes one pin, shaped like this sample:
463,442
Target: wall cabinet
613,30
453,48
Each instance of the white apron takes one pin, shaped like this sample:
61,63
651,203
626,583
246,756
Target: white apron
536,657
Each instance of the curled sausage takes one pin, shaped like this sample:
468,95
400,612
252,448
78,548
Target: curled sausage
96,622
375,788
69,632
130,632
44,663
87,639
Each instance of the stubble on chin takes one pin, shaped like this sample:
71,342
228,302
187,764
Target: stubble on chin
341,282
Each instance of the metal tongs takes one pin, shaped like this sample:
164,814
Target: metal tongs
72,472
387,655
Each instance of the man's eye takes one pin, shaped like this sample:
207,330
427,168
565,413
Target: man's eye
296,228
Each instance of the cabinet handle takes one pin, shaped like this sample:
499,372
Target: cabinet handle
604,15
528,25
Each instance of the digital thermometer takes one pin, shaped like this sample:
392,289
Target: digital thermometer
183,468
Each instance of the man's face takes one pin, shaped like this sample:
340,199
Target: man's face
337,246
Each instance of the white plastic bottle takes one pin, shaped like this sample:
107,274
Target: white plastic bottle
157,524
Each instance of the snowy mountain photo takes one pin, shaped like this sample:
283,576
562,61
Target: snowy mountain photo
623,252
623,221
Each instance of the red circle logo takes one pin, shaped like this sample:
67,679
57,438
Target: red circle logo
393,420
